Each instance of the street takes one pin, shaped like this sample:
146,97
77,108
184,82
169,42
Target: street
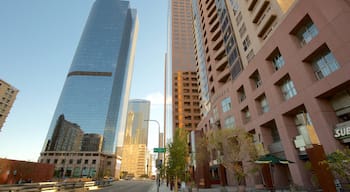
130,186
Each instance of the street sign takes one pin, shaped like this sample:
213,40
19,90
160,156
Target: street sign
159,150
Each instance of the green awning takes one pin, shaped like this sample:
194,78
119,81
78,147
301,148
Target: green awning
266,159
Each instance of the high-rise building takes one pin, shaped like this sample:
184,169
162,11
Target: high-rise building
91,111
182,64
8,95
181,78
136,130
279,70
134,156
134,160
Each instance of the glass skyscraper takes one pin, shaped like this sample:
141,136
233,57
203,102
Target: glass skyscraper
136,138
136,131
92,108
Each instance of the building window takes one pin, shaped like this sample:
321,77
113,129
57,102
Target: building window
250,55
288,89
86,161
305,31
239,18
264,104
276,59
55,161
241,94
226,104
215,114
79,161
230,122
246,43
255,77
70,161
246,115
274,134
63,161
324,64
242,30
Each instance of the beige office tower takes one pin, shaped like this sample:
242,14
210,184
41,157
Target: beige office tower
134,156
7,97
185,95
134,160
280,70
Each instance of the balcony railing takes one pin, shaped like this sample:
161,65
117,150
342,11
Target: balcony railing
57,186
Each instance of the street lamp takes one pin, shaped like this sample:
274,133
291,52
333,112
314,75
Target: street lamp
158,132
158,179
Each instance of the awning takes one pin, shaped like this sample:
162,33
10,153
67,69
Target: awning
266,159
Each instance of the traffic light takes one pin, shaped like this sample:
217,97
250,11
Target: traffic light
159,163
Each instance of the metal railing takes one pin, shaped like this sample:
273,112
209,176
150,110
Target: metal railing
55,186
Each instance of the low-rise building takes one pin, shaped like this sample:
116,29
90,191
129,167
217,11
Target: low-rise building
14,171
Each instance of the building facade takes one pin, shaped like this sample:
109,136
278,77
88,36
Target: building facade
136,130
14,171
279,70
8,95
93,103
181,76
184,87
134,158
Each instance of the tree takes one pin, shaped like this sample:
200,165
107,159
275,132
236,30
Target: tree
233,146
339,163
178,156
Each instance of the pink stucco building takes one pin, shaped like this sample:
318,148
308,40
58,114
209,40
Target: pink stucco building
293,90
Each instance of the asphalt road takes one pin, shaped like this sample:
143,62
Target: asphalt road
129,186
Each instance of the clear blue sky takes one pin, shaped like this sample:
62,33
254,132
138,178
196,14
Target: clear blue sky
38,39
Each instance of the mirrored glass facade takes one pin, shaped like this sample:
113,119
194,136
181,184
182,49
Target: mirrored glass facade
136,131
93,103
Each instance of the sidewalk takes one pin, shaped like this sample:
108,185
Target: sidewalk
164,188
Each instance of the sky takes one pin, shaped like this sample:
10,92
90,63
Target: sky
38,39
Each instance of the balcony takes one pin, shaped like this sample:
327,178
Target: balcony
224,76
211,11
213,18
210,5
220,53
216,35
215,26
218,45
221,65
261,11
276,147
251,4
267,26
